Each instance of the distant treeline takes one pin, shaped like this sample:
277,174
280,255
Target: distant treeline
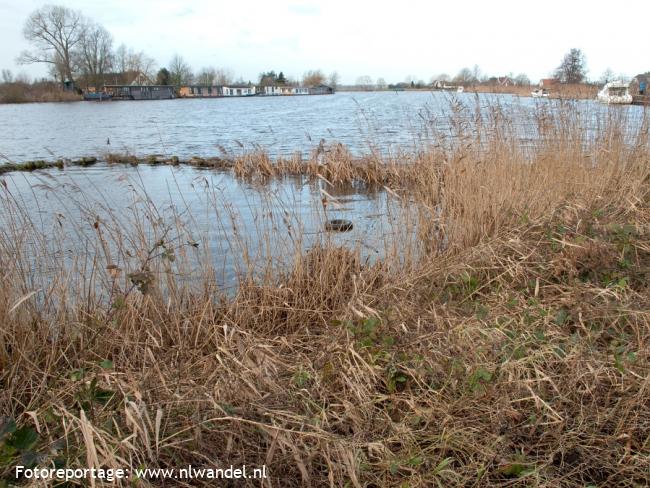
80,52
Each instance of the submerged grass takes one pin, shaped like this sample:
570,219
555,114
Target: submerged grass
510,350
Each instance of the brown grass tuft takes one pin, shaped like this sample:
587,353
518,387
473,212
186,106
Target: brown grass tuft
510,349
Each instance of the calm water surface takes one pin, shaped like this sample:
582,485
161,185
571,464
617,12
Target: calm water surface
237,225
206,127
234,220
201,127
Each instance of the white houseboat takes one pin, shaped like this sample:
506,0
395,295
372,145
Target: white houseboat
540,93
285,90
615,92
238,91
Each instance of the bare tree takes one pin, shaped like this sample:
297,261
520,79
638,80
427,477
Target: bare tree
476,73
56,70
23,78
95,54
313,78
206,76
55,33
143,67
7,76
381,84
464,77
365,82
624,77
134,66
522,79
223,76
573,68
607,76
179,71
121,59
333,80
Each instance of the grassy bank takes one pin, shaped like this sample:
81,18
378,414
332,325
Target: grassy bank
510,350
19,92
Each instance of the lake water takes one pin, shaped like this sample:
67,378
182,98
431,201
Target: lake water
201,127
235,221
201,214
205,127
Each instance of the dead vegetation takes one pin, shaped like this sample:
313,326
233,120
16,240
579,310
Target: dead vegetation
564,91
513,351
41,92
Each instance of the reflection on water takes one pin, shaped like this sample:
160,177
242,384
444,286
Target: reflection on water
110,213
203,127
281,125
238,226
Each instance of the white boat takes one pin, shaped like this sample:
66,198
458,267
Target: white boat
540,93
615,92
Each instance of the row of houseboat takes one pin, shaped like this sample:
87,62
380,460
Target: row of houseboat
167,92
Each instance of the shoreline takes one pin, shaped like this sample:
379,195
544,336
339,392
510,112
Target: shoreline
564,92
501,338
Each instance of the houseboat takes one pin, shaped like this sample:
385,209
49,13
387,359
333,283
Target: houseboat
200,91
615,92
239,91
140,92
97,96
540,93
284,90
321,90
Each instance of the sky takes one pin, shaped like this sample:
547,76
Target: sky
393,39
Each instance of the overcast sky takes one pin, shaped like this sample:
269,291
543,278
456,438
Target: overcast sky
392,39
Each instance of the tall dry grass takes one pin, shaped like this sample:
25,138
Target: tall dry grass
566,91
510,350
20,92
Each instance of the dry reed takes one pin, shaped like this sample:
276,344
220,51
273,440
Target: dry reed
512,350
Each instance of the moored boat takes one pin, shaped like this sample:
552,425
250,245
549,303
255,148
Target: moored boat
97,96
615,92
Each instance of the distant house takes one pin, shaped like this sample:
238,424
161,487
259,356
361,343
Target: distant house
548,82
500,81
504,81
321,90
284,90
438,85
640,84
140,92
238,91
200,91
92,84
